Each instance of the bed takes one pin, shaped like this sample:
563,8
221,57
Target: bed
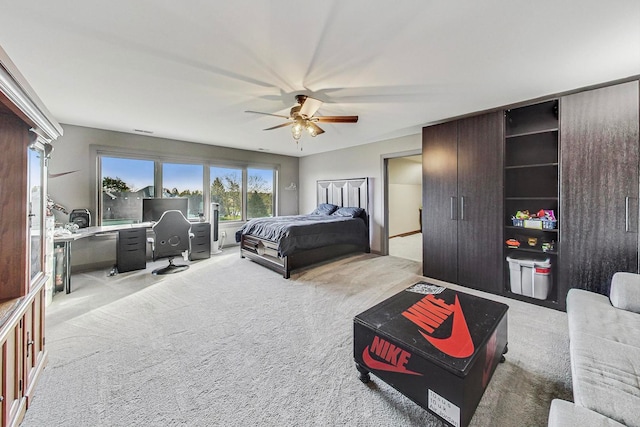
338,226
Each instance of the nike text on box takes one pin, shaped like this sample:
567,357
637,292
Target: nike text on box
439,349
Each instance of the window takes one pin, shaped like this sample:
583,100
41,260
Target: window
184,180
126,178
125,182
259,192
226,189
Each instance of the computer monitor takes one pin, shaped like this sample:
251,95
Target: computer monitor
152,209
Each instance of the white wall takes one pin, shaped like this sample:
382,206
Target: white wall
73,152
405,195
355,162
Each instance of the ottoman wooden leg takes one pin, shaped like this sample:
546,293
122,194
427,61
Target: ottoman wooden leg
364,374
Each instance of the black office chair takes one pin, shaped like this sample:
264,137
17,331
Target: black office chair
172,238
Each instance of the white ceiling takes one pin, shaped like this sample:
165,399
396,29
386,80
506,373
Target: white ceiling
189,69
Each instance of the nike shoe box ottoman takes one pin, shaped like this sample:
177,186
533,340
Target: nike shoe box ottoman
437,346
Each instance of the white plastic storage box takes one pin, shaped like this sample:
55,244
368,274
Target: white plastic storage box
529,276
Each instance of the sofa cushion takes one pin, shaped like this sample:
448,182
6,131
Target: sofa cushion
563,414
592,313
625,291
606,376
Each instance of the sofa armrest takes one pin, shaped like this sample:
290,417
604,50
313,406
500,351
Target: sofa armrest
563,414
625,291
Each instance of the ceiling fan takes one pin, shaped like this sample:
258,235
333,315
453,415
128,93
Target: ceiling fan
301,117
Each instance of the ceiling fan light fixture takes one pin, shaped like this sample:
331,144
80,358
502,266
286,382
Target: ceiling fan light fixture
311,129
296,132
302,118
298,124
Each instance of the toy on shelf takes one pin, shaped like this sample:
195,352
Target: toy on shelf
544,219
513,243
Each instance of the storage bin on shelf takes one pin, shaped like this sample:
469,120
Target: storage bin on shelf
537,224
530,276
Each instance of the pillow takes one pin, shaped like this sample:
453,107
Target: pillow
324,209
350,212
625,291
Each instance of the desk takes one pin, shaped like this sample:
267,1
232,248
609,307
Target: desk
63,241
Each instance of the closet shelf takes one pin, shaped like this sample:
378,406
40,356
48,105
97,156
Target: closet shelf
534,132
537,165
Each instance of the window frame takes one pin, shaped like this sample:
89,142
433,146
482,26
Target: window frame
203,188
243,190
97,152
98,185
274,180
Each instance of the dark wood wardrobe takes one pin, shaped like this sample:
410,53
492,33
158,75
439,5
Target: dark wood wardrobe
581,159
462,201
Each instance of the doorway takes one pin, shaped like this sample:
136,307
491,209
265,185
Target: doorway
403,183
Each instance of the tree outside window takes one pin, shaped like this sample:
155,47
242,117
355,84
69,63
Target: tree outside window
125,182
259,193
226,190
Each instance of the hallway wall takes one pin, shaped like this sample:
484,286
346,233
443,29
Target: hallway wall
405,194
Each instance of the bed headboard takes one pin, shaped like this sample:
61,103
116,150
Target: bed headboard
345,192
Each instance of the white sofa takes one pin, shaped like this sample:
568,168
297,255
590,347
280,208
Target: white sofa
604,337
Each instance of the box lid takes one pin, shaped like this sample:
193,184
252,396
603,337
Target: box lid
529,261
447,327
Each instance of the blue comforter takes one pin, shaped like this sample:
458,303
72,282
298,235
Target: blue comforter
301,232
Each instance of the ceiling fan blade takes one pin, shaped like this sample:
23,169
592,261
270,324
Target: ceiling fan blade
317,129
267,114
279,126
336,119
310,106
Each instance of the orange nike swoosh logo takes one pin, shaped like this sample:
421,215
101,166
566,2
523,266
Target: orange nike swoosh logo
459,344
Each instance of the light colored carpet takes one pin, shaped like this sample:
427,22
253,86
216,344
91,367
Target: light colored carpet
409,247
230,343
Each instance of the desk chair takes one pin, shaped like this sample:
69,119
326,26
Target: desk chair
172,237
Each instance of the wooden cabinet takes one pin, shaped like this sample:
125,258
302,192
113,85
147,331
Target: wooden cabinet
13,404
578,156
33,344
462,201
25,132
22,354
599,180
531,186
23,279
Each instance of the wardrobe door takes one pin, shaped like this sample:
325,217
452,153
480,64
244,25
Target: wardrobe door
439,201
480,194
599,186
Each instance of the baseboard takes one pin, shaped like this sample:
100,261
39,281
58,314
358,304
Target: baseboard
406,234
